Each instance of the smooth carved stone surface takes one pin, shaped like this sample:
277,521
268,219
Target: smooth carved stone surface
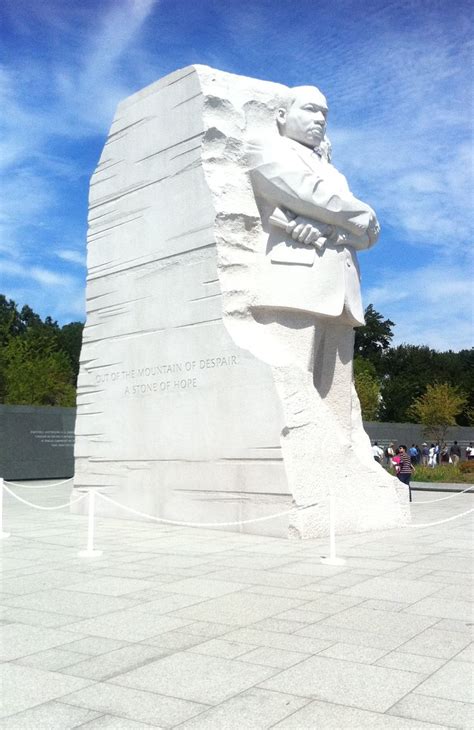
193,402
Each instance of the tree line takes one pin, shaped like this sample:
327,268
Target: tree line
39,365
411,383
39,360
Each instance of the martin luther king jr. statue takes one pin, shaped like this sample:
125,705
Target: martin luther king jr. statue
308,298
309,289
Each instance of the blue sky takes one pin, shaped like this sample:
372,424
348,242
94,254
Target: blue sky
397,77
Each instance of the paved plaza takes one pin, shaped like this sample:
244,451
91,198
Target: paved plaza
198,629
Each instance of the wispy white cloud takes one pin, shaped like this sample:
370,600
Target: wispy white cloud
37,274
67,94
82,84
430,304
74,256
58,294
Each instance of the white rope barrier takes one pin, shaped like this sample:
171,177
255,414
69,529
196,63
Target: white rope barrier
332,559
447,519
2,533
37,506
89,552
204,524
38,486
441,499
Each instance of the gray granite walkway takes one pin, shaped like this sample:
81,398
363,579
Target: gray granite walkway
193,629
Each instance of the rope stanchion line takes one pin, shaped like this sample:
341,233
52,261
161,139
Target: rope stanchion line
244,522
441,499
181,523
37,506
37,486
441,522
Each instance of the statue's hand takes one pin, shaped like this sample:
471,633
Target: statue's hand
305,231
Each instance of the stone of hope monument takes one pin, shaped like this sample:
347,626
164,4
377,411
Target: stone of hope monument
223,291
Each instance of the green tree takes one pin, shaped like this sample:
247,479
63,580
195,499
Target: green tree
35,372
375,337
38,359
368,388
406,370
70,341
437,409
11,323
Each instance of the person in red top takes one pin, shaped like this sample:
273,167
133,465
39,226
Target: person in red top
406,467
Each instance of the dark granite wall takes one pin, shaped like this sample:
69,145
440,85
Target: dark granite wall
36,442
412,433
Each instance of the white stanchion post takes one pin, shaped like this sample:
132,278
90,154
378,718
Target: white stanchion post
90,552
331,559
2,534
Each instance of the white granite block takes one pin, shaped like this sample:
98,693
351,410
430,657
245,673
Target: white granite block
25,687
112,722
336,717
70,602
286,642
436,643
128,625
110,586
105,666
237,608
47,716
393,589
195,677
443,608
271,657
51,659
451,682
411,662
356,653
255,708
433,709
134,704
221,648
361,685
20,640
390,623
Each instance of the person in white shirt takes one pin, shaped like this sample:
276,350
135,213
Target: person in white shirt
377,452
432,456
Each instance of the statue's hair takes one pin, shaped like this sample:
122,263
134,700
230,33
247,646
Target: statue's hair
293,92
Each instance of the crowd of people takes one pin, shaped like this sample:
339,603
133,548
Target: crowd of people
425,455
403,460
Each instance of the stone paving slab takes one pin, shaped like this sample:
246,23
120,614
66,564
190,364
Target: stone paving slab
25,687
174,627
337,717
49,715
434,709
361,685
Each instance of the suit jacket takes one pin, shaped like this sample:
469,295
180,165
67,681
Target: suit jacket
295,276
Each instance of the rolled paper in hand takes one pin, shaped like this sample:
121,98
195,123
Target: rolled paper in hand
279,219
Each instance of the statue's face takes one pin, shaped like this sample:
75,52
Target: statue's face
305,121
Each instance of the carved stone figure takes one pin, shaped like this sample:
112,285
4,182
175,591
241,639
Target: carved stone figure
308,299
314,225
299,191
216,368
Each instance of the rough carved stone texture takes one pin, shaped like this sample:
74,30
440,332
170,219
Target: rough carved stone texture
190,404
